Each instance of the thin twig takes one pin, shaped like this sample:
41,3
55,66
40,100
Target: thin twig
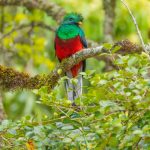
136,25
33,24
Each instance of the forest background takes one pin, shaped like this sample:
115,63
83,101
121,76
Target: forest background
114,109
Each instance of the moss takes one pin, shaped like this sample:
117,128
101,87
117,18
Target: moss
128,47
11,79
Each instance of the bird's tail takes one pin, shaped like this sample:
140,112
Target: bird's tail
74,90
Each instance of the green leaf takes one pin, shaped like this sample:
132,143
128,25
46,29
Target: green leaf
67,127
138,132
115,49
107,45
67,140
12,131
132,61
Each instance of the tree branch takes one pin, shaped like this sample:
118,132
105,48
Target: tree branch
52,9
11,79
33,24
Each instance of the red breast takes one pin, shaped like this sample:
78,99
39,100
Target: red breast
66,48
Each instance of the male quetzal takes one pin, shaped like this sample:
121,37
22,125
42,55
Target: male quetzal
70,39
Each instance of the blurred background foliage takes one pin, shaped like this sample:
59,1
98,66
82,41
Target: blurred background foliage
32,49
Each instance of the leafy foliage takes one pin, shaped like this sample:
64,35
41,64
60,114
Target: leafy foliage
114,113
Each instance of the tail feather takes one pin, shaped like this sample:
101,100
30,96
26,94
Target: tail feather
73,90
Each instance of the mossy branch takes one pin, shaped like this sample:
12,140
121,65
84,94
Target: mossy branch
52,9
12,80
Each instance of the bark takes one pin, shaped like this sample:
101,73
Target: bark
109,9
2,21
52,9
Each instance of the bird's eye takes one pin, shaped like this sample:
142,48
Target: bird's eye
70,19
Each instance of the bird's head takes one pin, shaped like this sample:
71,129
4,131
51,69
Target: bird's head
73,18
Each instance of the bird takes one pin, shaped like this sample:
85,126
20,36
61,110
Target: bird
69,39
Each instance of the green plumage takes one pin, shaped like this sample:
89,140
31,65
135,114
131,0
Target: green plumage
69,31
69,28
75,16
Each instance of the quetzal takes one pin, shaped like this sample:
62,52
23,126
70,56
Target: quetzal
70,39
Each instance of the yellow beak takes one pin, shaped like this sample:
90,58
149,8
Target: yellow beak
79,23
